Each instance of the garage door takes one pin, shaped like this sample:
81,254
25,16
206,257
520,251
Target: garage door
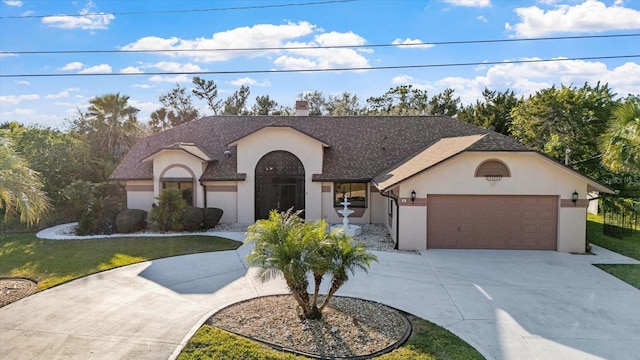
492,222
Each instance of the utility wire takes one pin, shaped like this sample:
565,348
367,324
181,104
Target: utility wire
461,42
183,11
527,61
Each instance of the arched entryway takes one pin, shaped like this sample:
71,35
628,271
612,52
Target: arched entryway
279,183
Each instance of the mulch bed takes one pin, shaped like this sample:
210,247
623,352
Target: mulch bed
15,289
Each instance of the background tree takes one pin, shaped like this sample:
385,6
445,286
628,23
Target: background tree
177,108
20,187
556,119
344,105
620,143
492,113
236,104
114,122
444,103
401,100
264,106
207,90
316,101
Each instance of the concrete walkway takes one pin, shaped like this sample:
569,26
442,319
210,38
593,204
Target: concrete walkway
507,304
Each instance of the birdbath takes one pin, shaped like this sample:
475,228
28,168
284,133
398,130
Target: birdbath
348,229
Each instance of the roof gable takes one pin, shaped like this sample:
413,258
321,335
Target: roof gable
189,148
442,150
268,127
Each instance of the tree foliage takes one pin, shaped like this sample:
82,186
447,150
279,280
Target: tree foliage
20,187
344,104
264,106
287,246
401,100
236,104
621,141
494,112
316,101
168,214
207,90
556,119
177,108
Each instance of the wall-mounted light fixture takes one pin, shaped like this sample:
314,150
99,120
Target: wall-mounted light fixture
574,197
413,195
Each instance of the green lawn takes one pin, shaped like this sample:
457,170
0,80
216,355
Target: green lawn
427,342
52,262
629,246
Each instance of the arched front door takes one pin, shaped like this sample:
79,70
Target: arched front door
279,183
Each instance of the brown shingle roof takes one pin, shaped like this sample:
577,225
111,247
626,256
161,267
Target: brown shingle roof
360,147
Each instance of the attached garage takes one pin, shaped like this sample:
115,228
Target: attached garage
519,222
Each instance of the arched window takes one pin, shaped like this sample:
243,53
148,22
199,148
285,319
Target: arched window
493,168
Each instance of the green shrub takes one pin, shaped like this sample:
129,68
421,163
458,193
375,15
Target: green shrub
168,214
192,219
212,217
99,218
131,220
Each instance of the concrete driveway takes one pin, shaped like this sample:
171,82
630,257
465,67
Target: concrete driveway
507,304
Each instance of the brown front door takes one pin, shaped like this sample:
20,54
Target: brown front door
492,222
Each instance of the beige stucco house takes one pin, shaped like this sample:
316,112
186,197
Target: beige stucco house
433,181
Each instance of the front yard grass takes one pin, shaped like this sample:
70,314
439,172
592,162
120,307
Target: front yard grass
53,262
427,342
628,246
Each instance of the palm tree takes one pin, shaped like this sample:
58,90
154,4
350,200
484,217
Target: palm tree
285,245
347,256
20,187
621,142
114,123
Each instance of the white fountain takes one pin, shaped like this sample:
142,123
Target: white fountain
348,229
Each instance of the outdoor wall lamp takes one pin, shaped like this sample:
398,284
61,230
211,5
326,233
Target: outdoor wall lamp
574,197
413,196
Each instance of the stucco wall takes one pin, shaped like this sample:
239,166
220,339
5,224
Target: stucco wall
178,164
253,147
224,195
530,175
140,194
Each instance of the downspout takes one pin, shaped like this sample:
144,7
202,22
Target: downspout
395,200
204,192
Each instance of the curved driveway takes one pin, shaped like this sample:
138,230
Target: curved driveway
507,304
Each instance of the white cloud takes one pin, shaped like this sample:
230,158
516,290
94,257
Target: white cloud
250,82
88,20
482,18
271,39
130,70
61,94
411,42
15,3
76,65
298,63
19,112
17,99
527,78
590,16
97,69
402,79
7,54
22,82
257,36
171,79
145,107
142,86
176,67
469,3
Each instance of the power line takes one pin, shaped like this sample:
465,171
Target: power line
433,43
253,7
527,61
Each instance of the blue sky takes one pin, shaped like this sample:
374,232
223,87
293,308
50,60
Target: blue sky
152,25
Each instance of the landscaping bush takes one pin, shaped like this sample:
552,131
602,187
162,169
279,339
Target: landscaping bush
192,218
99,218
131,220
168,214
212,217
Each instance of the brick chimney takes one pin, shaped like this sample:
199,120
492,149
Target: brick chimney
302,108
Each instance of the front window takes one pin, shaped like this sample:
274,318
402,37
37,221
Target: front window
356,192
186,188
